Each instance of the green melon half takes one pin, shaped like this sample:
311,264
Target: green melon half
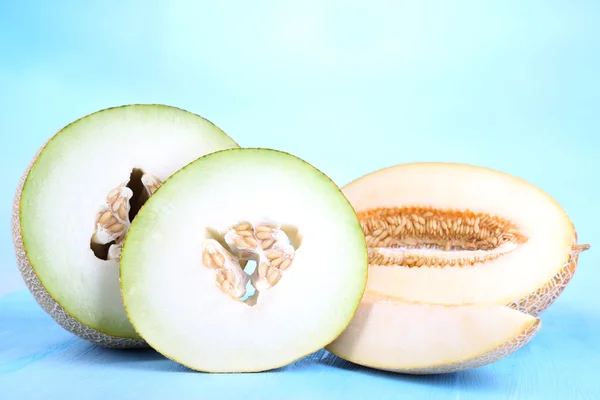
173,298
60,195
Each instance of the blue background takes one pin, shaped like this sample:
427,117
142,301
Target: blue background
350,87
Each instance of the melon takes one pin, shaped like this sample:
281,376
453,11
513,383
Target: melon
245,260
77,199
420,338
462,261
453,234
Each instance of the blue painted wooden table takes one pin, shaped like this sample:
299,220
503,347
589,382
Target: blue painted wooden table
39,360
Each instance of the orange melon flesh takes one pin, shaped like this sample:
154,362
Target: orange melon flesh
528,275
414,338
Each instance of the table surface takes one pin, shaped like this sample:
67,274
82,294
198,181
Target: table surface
39,360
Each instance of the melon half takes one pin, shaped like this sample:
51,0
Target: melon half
244,260
462,260
77,198
456,234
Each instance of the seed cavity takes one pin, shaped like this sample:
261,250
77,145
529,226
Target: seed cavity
120,208
433,237
230,277
266,244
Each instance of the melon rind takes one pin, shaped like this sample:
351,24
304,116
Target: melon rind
539,301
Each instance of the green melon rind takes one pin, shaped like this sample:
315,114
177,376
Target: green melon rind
32,281
137,225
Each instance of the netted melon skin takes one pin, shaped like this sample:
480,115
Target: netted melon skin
539,301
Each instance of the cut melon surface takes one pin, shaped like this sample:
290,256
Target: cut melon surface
186,279
454,234
418,338
77,198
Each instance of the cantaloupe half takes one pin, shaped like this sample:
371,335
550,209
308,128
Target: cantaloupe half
454,234
394,335
77,198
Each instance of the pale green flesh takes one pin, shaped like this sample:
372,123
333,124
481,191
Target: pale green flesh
69,182
171,296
